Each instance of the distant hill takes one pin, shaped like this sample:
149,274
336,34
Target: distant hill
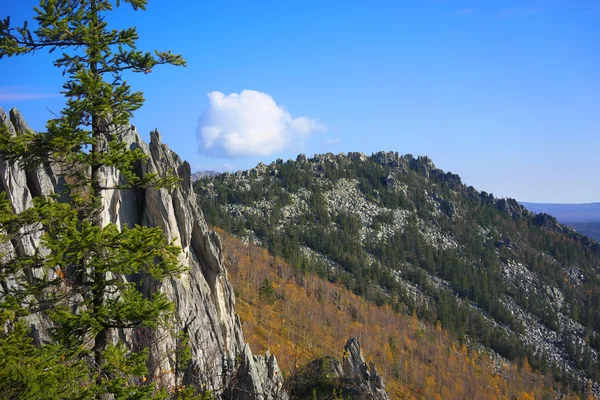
203,174
589,229
566,213
584,218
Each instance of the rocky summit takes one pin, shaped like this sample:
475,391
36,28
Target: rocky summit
399,231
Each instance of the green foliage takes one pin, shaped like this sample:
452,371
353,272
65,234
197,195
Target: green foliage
267,292
28,371
317,380
86,277
122,374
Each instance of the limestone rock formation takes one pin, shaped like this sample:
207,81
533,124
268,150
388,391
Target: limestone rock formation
203,296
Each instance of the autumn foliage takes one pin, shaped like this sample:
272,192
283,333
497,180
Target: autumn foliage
312,318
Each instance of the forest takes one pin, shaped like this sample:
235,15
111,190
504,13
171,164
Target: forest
299,317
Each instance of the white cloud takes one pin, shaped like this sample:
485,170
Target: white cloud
249,124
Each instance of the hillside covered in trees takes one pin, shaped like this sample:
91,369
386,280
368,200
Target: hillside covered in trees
404,234
300,317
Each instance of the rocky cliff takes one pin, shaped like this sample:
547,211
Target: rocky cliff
203,296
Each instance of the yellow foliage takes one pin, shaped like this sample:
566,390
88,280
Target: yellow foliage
314,318
527,396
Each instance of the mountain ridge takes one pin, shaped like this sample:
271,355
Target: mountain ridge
399,230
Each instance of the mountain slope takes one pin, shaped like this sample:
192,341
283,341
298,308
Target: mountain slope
399,231
308,317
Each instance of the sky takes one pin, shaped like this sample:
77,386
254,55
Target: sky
505,93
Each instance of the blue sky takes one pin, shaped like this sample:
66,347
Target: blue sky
504,93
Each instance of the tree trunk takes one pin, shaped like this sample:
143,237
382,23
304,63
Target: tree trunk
98,287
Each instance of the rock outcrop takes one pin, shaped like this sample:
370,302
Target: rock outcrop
367,379
269,384
203,296
351,378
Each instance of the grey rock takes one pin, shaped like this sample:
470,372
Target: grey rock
13,181
39,178
355,368
356,156
387,158
354,363
268,386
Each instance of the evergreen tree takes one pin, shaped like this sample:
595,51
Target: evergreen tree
88,279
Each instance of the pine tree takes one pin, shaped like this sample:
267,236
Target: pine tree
88,280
